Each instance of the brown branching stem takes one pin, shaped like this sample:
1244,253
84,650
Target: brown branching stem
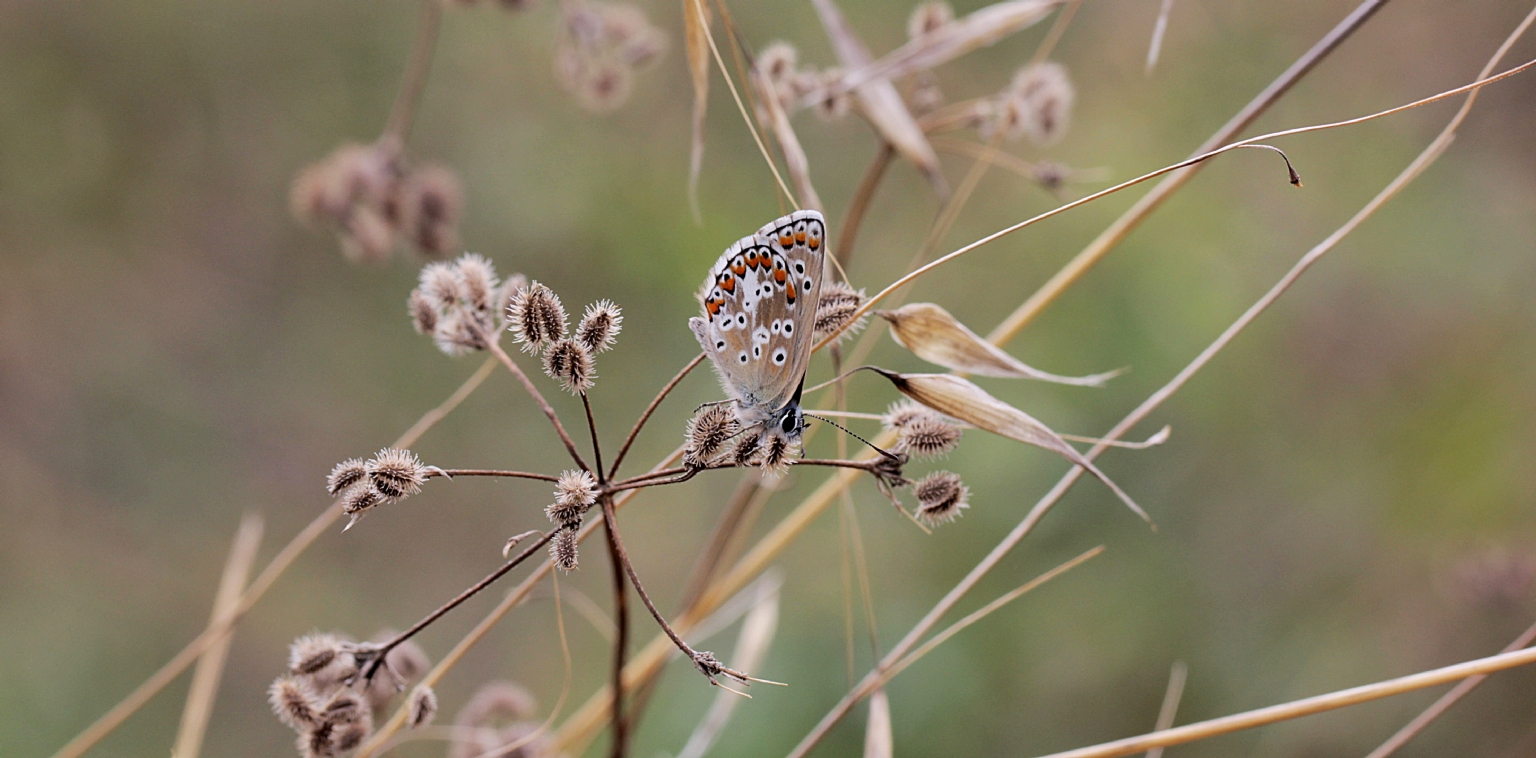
549,412
376,656
650,409
401,115
678,474
621,622
452,473
597,450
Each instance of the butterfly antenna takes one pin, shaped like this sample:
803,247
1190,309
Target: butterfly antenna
871,445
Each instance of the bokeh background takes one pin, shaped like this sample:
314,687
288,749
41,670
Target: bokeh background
1347,495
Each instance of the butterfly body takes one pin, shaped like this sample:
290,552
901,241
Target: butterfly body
759,309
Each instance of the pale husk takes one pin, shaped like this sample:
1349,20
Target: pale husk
934,335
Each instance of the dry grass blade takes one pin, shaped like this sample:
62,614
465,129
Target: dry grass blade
757,632
958,398
879,101
1175,692
1303,707
934,335
210,668
695,17
795,162
1158,30
878,741
981,28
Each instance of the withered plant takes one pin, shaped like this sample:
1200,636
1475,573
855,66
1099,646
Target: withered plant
349,698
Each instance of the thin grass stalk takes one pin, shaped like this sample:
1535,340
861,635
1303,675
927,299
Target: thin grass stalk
538,398
1171,696
279,564
403,112
1303,707
1058,28
210,667
1133,216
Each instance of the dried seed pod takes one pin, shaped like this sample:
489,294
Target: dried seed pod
932,334
562,550
576,488
777,61
440,285
940,498
957,398
537,318
423,707
835,309
396,473
478,276
344,707
294,702
832,102
349,736
367,237
708,433
600,326
903,413
928,18
570,363
778,454
316,742
344,475
423,313
431,202
747,449
315,654
929,437
327,191
1047,94
459,333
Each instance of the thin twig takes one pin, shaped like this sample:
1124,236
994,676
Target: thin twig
398,129
1058,28
621,619
1171,697
549,412
597,450
457,472
650,409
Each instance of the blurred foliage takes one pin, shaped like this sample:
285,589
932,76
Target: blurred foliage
175,351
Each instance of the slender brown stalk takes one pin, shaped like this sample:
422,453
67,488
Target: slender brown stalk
1143,208
1058,28
549,412
621,622
1171,697
454,472
1303,707
853,218
597,449
650,409
403,112
285,557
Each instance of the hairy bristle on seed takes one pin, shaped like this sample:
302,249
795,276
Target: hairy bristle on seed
778,453
570,363
350,735
929,437
600,326
423,313
293,700
941,496
344,475
316,742
575,492
396,473
478,276
508,294
423,707
537,318
835,310
903,413
562,550
311,653
747,448
440,285
707,434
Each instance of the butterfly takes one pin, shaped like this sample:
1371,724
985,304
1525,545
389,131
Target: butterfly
759,305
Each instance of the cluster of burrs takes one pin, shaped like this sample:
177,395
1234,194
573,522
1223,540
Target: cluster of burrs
602,47
575,494
334,689
537,320
391,474
373,197
924,433
462,304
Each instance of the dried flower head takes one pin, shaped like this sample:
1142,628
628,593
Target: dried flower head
605,86
903,413
316,742
835,311
358,499
747,450
424,314
1047,95
423,707
507,295
602,47
708,432
459,333
537,318
928,18
570,363
562,550
344,707
777,61
600,326
430,204
940,497
440,285
344,475
353,174
1008,116
575,492
367,237
350,735
479,280
294,702
930,436
778,453
314,654
832,101
396,473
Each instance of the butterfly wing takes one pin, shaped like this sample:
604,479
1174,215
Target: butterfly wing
759,309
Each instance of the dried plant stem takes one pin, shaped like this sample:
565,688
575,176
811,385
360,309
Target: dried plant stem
1412,728
285,557
616,561
456,472
549,412
403,112
1143,208
597,449
853,218
1058,28
1171,697
650,409
210,668
1303,707
377,656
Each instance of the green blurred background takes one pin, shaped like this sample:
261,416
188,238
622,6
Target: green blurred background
1341,488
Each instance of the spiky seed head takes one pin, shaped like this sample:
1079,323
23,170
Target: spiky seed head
328,190
396,473
344,475
929,437
928,18
570,363
778,453
576,487
459,333
344,707
367,237
777,61
564,516
708,433
600,326
440,285
316,742
294,702
350,736
431,202
312,653
423,313
904,413
941,496
747,449
1008,116
1047,94
537,318
834,101
835,310
478,276
423,707
507,295
562,550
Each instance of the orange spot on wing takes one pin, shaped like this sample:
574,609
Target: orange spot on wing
728,283
789,292
779,274
814,243
800,236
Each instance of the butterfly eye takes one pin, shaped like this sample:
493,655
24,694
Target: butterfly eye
788,424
